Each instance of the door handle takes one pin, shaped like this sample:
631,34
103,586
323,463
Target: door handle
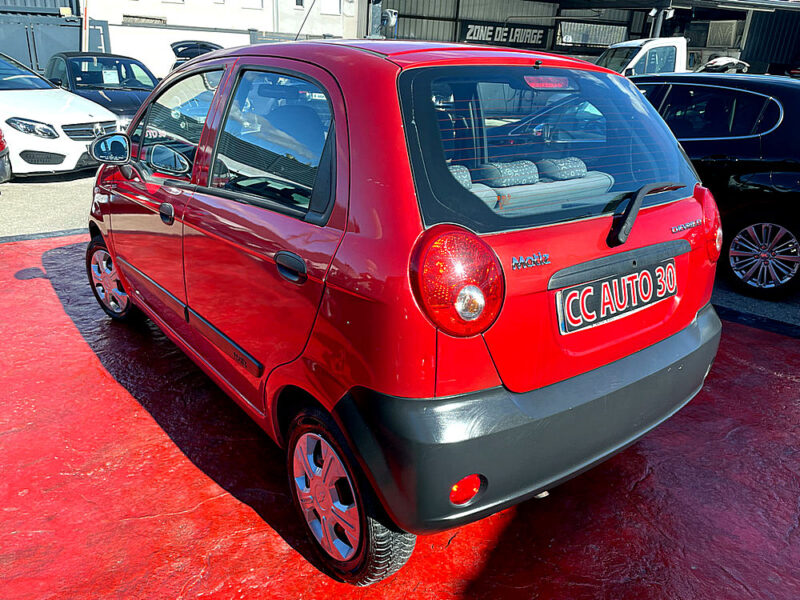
167,212
291,267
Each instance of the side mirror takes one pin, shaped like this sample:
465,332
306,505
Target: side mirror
166,160
628,72
57,81
111,149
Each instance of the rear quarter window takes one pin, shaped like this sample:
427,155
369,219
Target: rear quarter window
497,148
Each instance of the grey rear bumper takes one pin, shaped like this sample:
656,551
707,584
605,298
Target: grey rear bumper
413,450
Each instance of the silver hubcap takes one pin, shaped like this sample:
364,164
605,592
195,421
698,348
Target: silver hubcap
106,282
765,255
326,496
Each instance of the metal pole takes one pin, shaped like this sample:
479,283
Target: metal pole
659,22
85,27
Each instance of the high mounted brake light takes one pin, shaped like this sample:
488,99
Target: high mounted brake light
457,280
547,82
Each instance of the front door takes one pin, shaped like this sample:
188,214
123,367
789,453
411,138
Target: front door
147,208
261,231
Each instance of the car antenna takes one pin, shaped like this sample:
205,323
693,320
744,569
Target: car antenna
310,8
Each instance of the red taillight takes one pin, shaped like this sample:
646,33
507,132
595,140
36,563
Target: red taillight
457,280
2,141
712,224
466,489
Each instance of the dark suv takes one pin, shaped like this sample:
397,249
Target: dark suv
741,133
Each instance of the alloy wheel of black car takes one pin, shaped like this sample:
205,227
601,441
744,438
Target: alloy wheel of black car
347,531
762,257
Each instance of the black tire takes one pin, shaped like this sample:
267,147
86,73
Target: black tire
382,548
125,313
735,276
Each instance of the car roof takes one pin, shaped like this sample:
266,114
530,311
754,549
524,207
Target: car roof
760,83
92,54
404,53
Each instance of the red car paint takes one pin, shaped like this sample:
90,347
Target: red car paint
356,322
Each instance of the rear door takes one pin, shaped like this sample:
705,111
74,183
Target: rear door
717,127
555,154
265,222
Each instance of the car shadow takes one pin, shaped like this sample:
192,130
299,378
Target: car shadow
203,422
56,177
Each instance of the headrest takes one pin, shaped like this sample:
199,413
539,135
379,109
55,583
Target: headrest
559,169
461,175
496,174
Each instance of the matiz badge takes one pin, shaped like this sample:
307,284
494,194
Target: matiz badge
525,262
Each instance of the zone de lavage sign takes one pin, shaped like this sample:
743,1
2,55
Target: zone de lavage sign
503,34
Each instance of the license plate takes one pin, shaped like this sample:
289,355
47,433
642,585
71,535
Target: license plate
597,302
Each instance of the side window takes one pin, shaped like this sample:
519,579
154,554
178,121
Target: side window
661,60
707,112
175,122
647,90
273,140
136,139
769,117
59,71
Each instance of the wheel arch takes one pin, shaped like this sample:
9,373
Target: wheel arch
94,230
289,401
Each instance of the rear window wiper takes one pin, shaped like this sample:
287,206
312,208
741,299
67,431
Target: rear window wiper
623,221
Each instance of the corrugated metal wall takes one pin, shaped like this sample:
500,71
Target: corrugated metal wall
773,38
443,9
43,7
437,19
425,29
498,10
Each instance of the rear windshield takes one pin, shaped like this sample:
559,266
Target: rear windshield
499,148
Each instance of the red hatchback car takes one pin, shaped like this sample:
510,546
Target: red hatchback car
444,278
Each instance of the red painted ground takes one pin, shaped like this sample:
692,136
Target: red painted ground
124,472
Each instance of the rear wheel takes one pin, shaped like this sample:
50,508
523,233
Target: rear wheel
762,256
106,282
353,541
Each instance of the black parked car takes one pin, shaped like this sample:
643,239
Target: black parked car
742,133
118,83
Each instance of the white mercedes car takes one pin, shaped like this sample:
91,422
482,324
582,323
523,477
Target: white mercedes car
46,128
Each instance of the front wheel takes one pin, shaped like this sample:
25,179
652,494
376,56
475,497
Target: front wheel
352,540
762,257
106,282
